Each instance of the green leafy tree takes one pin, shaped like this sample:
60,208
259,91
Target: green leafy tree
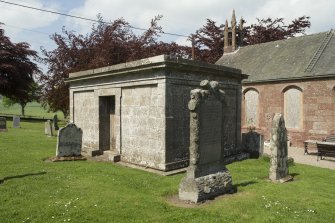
32,95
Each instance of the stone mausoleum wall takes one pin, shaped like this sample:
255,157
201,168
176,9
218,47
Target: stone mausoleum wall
308,107
149,124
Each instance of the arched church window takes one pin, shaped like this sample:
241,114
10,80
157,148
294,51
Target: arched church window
251,107
293,108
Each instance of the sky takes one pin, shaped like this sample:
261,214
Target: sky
181,17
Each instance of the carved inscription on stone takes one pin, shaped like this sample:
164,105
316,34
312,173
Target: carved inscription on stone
69,141
207,175
210,130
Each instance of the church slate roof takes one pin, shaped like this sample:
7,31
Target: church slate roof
309,56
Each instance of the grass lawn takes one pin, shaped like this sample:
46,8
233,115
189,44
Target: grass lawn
89,191
33,109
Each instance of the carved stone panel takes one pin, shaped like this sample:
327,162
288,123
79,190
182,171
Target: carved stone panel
207,175
69,141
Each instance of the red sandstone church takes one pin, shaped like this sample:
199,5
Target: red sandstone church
295,77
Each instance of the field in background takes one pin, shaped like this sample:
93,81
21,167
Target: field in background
32,110
91,191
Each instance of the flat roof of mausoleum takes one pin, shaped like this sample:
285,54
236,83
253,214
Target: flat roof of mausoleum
157,62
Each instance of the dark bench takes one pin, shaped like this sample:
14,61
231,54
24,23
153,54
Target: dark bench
326,147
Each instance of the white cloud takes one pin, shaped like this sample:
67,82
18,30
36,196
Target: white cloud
30,19
181,17
186,16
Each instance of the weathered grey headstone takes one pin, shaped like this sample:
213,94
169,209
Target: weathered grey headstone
3,124
279,153
55,122
253,143
69,141
48,128
207,175
16,121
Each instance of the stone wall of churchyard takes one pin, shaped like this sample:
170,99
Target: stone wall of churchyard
143,125
308,107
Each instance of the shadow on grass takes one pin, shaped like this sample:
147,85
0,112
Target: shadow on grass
294,174
22,176
243,184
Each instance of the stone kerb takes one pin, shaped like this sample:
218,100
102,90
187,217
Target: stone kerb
69,141
3,124
279,151
207,175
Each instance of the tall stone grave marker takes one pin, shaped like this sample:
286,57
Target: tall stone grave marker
16,121
48,128
3,124
207,175
69,141
278,146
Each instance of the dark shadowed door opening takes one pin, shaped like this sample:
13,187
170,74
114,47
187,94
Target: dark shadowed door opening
106,123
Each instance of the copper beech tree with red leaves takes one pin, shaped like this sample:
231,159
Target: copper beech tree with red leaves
209,38
107,44
115,42
17,71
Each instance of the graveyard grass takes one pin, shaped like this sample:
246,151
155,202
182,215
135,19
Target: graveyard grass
33,109
90,191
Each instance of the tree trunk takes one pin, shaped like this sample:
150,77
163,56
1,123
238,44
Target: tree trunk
23,105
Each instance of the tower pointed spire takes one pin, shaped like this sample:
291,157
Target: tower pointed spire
233,30
233,19
232,35
225,34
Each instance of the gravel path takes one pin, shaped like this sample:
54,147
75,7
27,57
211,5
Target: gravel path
311,159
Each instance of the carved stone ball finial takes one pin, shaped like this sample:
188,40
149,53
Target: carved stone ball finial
204,84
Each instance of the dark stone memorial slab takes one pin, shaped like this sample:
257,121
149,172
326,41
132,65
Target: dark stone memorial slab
3,124
207,175
55,122
69,141
253,143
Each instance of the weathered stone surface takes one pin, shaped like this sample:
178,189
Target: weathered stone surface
3,124
151,121
16,121
206,187
48,130
253,143
278,147
69,141
206,176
